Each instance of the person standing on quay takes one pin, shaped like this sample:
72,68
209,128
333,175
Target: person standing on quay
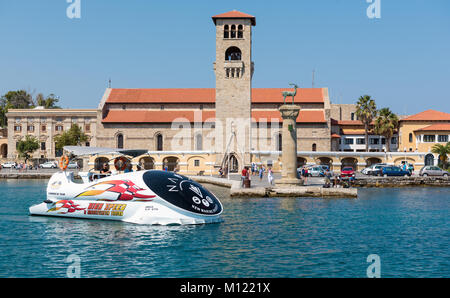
244,175
270,176
306,175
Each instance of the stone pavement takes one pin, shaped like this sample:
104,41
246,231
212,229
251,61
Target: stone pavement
256,182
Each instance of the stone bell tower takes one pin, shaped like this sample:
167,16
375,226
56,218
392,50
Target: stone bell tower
234,70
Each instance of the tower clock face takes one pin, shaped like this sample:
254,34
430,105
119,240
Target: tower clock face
182,192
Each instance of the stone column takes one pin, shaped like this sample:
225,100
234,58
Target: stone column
289,113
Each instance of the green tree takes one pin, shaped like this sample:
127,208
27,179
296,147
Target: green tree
47,103
366,111
19,99
3,120
26,147
385,125
443,151
73,137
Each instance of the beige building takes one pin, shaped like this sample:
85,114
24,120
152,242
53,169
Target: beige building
45,124
3,143
420,132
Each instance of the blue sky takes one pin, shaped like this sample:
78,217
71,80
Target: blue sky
402,59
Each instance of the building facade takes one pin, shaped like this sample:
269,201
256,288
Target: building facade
45,124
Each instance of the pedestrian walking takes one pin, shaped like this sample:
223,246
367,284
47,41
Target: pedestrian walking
270,176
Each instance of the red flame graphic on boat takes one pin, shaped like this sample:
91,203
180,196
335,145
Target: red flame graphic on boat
69,205
126,189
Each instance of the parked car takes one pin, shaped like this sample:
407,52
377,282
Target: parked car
48,165
394,171
374,169
348,172
9,165
316,171
73,165
433,171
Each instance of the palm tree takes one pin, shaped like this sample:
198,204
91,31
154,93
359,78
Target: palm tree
385,125
443,151
366,111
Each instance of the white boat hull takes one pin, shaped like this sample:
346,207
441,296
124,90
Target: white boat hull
155,198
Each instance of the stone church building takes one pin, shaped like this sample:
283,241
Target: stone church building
202,129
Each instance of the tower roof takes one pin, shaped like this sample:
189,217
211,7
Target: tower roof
235,15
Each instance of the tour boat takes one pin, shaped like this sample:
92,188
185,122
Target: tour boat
144,197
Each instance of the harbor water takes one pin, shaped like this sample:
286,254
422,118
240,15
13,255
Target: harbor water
408,228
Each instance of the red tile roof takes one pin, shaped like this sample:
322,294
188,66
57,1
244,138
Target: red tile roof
436,127
161,96
428,115
336,136
234,15
168,116
208,95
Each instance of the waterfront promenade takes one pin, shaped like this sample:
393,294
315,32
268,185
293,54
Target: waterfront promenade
313,186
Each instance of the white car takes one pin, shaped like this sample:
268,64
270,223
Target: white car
9,165
73,165
373,169
315,171
48,165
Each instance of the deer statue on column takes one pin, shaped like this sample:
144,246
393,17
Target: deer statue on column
290,93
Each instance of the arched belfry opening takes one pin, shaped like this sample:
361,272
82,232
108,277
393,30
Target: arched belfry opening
233,54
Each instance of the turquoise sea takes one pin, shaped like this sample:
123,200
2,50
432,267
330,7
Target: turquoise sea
408,228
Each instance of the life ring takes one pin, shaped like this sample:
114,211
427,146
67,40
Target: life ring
120,163
63,162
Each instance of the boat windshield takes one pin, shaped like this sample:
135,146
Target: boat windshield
182,192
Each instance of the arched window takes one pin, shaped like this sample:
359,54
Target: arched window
159,142
233,53
119,140
226,32
233,31
4,150
314,147
99,162
198,142
170,163
410,137
240,31
147,163
429,160
233,164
